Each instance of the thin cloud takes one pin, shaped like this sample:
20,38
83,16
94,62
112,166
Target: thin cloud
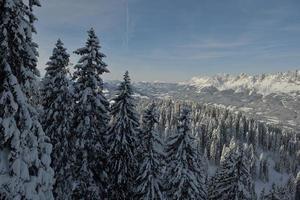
216,44
292,28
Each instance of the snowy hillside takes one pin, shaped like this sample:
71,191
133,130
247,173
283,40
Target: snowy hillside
74,136
263,84
273,98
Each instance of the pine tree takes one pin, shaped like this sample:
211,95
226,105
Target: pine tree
182,169
28,70
297,183
284,193
57,119
251,158
90,122
282,162
291,187
263,168
122,140
262,194
55,81
272,195
216,146
203,165
233,179
148,183
24,149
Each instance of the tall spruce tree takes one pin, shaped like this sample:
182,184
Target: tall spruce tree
263,174
24,149
57,119
29,72
148,183
216,146
122,140
203,165
251,157
297,186
233,179
182,178
90,122
290,187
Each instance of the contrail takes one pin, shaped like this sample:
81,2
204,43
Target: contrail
127,23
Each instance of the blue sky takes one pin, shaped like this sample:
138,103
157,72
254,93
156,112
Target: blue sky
174,40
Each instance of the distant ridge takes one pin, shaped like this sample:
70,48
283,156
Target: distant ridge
283,82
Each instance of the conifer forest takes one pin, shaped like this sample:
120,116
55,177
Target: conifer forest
72,134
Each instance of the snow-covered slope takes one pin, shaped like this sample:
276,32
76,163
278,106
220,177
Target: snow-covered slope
263,84
273,98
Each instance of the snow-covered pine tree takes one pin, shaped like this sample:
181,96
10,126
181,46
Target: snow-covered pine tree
203,165
262,194
55,81
216,146
30,73
122,142
272,195
263,168
148,183
291,187
24,148
297,184
283,162
182,178
90,122
251,159
284,193
57,120
233,179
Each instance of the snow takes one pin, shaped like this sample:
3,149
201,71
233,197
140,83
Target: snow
137,95
4,165
274,177
281,108
263,84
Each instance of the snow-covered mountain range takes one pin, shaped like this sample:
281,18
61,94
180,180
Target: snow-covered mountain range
265,84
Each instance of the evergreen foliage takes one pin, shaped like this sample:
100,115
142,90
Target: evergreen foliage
122,141
57,120
149,183
233,179
24,149
99,149
182,178
297,183
90,122
276,193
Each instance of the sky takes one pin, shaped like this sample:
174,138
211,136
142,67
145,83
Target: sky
174,40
